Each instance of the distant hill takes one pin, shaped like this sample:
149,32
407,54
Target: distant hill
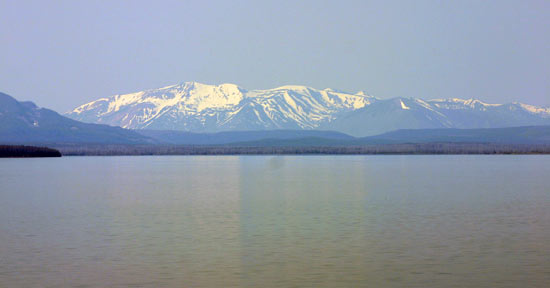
189,138
25,123
512,135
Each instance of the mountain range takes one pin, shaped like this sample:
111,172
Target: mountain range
25,123
199,108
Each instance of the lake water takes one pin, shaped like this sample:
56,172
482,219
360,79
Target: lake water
275,221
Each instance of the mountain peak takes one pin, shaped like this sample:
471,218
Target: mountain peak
291,87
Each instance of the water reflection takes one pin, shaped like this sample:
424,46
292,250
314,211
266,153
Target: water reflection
300,220
275,221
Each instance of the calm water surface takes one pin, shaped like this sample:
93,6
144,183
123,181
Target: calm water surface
275,221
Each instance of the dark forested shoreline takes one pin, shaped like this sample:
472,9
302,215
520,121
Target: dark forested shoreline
422,148
21,151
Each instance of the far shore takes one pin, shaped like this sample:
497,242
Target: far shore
22,151
387,149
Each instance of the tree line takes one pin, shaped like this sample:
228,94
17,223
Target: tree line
421,148
16,151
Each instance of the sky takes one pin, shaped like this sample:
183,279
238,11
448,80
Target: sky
61,54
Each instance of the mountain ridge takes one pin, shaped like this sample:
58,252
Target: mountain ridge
229,137
24,123
196,107
524,135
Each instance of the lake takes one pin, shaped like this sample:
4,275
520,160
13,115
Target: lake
275,221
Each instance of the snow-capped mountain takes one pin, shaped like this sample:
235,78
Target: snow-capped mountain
199,107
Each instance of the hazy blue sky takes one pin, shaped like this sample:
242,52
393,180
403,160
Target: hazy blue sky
63,54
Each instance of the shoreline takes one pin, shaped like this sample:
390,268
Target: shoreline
388,149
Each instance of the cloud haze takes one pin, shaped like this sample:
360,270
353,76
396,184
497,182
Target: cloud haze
61,54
